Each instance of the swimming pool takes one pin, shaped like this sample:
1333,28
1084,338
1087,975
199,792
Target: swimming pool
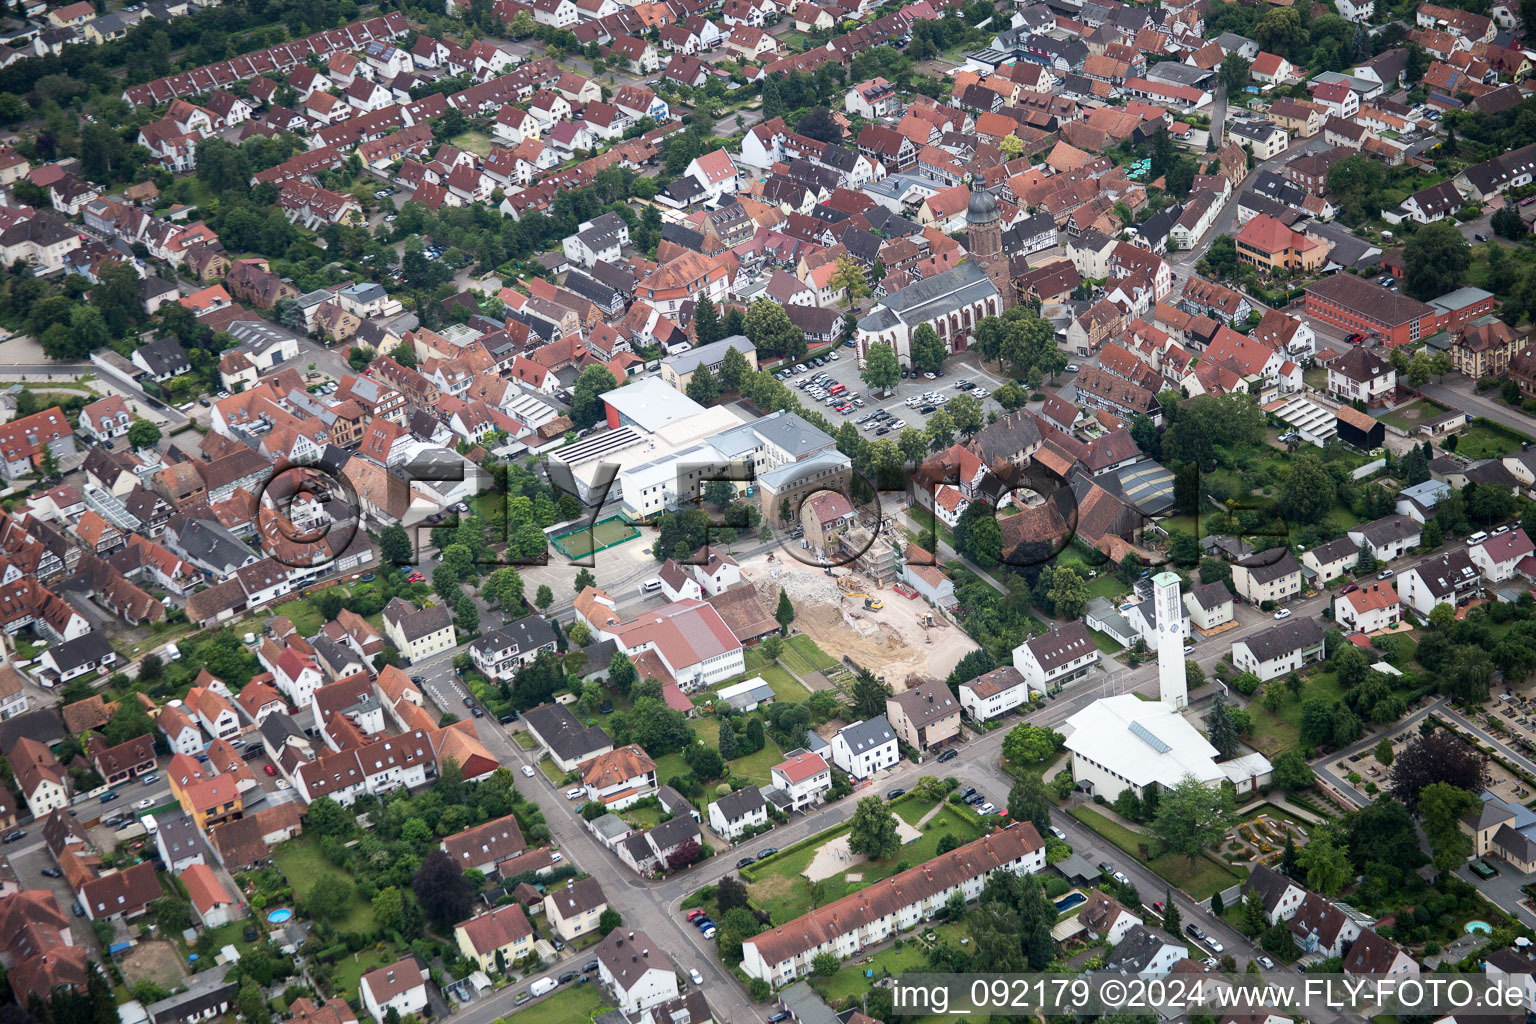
1473,927
279,915
1069,901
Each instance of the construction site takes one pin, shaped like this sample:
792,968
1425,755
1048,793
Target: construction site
878,624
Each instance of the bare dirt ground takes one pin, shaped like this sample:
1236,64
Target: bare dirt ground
153,961
835,857
890,641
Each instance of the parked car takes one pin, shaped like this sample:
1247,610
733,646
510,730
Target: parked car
52,873
693,915
894,793
1105,867
778,1017
15,834
527,771
1283,613
1480,237
567,977
746,862
1266,963
1193,931
694,976
1058,833
766,852
967,792
948,755
1386,574
986,808
150,780
270,769
108,797
1215,945
590,965
144,805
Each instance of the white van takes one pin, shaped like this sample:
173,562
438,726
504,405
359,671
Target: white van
1476,539
543,987
650,586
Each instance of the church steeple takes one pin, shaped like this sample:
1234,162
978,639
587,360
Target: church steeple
984,242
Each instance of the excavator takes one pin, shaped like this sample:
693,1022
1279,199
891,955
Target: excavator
874,604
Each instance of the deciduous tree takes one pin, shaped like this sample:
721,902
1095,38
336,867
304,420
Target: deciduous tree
873,831
1192,816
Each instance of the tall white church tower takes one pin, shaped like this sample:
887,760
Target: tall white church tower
1173,688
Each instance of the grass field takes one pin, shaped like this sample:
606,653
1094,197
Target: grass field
1406,417
912,809
478,143
575,1005
785,686
1484,439
302,864
753,766
912,956
818,659
1275,732
1200,879
779,886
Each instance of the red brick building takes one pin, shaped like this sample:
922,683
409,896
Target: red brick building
1355,304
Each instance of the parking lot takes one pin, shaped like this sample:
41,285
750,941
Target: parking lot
842,368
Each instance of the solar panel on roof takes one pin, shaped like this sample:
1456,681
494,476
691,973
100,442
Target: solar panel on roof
1145,735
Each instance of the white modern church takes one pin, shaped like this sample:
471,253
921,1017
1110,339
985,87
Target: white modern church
1124,742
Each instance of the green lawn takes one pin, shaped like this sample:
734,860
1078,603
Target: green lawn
575,1005
819,659
522,739
306,618
351,968
478,143
756,766
642,817
912,956
551,771
779,886
1273,733
303,865
1200,879
1106,643
1484,439
707,730
1407,417
911,810
785,686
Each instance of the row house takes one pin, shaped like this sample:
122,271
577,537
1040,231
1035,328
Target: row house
873,915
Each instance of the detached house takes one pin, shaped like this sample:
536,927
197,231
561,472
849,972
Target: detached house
401,987
1270,575
733,814
1451,578
620,777
574,911
418,633
1373,607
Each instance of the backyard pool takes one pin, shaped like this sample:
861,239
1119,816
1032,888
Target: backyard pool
1070,900
1473,927
279,915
